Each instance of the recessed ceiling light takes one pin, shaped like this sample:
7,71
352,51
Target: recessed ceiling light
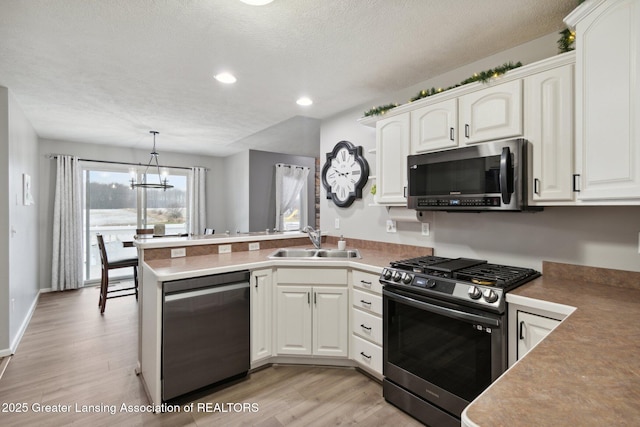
227,78
256,2
304,101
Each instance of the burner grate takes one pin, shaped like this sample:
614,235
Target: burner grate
504,276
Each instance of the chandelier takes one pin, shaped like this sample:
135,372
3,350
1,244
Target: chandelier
162,183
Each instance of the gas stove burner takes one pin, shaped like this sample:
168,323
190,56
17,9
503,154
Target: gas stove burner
469,281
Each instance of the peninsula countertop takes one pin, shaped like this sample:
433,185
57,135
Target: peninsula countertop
372,260
586,372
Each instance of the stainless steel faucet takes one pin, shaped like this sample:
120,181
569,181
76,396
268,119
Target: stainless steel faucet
314,236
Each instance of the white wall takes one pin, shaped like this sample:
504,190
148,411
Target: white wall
4,220
216,215
19,227
236,200
597,236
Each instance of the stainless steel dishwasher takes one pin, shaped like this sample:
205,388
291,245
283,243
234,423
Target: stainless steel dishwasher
205,331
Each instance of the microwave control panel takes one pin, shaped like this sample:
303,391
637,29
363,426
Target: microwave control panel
466,201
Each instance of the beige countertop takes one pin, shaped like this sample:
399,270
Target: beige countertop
373,260
586,372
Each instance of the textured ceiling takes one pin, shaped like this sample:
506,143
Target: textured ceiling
108,71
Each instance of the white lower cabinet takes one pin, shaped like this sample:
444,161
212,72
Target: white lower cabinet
368,355
261,314
312,319
532,329
366,322
530,321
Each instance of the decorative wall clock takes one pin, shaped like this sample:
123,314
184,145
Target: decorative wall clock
345,173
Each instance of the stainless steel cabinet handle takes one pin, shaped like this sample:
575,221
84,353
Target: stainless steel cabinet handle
576,180
365,283
466,131
451,134
365,302
309,298
365,327
521,330
315,298
536,186
365,355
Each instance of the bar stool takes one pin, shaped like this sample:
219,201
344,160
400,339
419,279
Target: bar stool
107,265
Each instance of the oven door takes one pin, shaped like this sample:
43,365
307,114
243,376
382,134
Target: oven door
443,353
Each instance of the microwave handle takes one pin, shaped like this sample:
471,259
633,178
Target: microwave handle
506,175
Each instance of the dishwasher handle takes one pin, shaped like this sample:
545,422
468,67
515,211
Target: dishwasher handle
204,291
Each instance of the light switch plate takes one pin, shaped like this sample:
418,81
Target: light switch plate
336,223
425,228
178,252
254,246
224,249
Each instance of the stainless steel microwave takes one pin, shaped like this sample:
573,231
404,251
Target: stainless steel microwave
489,176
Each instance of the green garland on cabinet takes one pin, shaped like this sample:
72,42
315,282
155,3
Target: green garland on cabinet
483,77
567,38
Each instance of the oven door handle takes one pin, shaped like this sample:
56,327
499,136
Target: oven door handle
444,311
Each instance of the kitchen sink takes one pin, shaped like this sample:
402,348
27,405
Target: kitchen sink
337,253
294,253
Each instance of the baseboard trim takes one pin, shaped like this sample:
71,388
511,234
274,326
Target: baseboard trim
24,325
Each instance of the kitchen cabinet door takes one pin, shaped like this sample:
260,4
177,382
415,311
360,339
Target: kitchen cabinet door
294,320
491,113
531,330
549,123
261,314
434,127
330,321
392,148
608,100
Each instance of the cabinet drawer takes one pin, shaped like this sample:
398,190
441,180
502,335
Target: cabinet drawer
367,301
312,276
368,281
366,325
367,354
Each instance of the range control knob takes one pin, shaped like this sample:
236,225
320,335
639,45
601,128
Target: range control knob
386,274
407,278
490,296
474,292
431,283
397,276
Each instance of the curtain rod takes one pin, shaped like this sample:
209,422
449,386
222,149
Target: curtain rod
55,156
291,166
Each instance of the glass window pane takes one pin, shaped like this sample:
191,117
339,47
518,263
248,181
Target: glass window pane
168,207
110,209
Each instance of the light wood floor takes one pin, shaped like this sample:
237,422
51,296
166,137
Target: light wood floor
73,358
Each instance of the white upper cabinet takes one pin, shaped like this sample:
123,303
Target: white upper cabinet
434,127
392,148
608,100
549,129
491,113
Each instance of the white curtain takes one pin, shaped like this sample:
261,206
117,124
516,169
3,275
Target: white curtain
66,269
197,201
290,180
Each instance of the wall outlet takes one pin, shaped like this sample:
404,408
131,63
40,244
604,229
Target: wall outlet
179,252
224,249
254,246
336,223
391,226
425,228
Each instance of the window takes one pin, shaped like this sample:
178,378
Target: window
113,209
291,197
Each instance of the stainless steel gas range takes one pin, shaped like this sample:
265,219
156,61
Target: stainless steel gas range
444,333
